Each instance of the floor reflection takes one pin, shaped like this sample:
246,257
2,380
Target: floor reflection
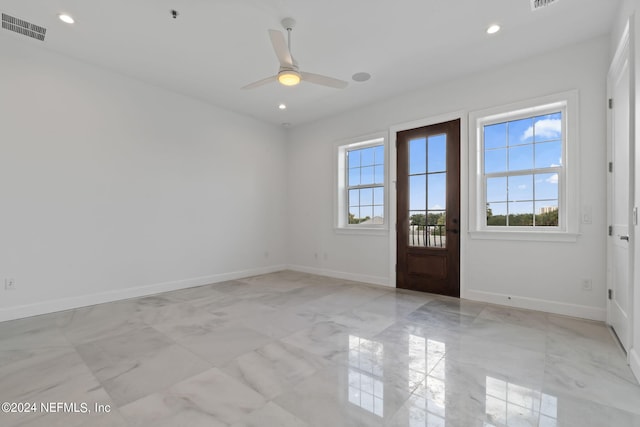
509,404
366,383
424,355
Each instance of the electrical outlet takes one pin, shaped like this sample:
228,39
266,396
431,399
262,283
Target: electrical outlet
10,284
587,285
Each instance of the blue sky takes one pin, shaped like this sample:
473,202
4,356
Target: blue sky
517,146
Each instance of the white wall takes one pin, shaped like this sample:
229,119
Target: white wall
629,11
538,275
112,188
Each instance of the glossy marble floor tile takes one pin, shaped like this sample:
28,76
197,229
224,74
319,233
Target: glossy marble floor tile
135,364
274,368
294,349
211,398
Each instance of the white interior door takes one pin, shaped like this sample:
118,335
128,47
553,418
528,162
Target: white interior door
619,195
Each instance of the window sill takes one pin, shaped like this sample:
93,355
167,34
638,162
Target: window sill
526,236
371,231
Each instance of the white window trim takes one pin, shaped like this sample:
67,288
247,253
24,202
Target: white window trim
568,190
341,223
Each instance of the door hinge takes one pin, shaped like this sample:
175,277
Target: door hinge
611,103
610,166
611,230
610,293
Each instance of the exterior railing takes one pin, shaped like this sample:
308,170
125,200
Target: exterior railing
433,235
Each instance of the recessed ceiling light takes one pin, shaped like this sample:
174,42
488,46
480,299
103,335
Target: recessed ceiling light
361,77
66,18
282,106
493,29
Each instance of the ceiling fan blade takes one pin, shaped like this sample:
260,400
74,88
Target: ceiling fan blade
323,80
260,82
281,48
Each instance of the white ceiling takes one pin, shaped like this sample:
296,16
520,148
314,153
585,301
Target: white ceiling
215,47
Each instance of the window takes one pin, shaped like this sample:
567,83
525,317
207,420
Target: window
522,170
361,184
523,179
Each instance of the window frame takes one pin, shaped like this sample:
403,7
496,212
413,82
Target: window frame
341,216
568,172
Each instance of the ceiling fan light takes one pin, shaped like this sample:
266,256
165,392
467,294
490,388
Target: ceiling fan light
289,78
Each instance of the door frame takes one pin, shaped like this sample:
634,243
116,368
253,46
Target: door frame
464,188
623,53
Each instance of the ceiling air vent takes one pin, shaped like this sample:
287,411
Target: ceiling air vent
539,4
23,27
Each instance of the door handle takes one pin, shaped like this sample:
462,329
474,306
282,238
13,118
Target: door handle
624,238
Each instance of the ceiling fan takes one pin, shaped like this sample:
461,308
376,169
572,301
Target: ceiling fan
289,73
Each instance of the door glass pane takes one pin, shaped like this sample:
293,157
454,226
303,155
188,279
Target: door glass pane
418,192
437,153
427,191
437,191
417,228
417,156
436,229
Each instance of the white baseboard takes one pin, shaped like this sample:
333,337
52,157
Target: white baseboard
52,306
634,362
573,310
376,280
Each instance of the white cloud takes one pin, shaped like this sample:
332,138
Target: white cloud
553,179
436,206
522,187
546,128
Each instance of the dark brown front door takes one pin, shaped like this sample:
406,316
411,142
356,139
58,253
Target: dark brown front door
428,238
